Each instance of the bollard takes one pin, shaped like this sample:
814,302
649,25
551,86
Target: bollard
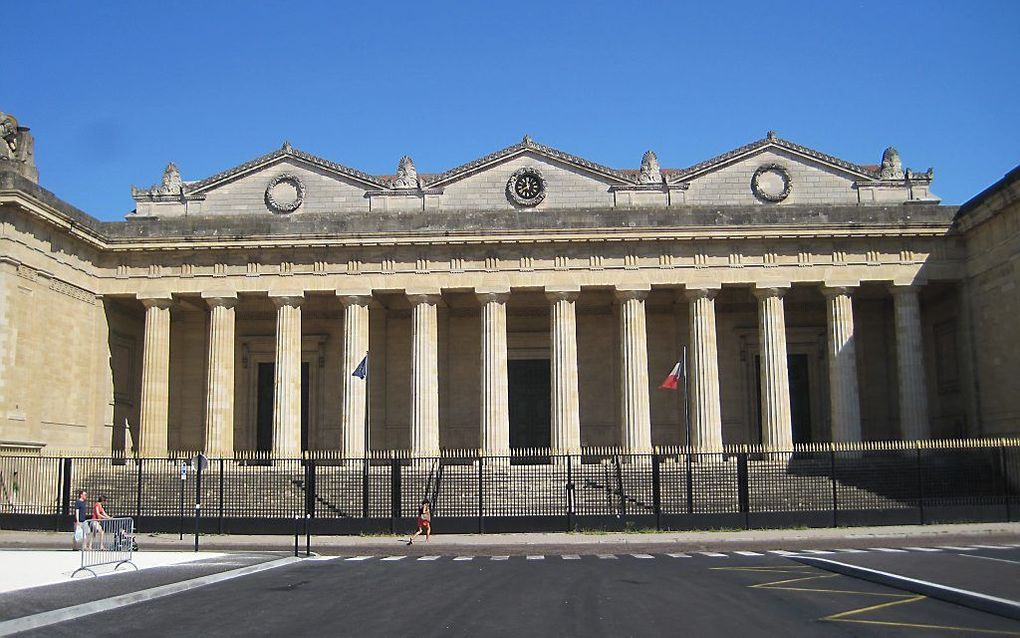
308,539
296,518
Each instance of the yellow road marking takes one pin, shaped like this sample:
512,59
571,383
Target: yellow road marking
845,616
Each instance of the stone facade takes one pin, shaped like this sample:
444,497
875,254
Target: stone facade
817,300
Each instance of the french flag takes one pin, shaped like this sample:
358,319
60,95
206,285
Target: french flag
672,381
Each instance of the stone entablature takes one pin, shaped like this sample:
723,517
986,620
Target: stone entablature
564,182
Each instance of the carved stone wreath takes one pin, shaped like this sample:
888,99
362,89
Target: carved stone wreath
526,187
771,195
288,205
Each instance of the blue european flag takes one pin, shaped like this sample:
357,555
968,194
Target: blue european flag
362,370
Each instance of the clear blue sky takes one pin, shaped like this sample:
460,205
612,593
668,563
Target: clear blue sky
113,94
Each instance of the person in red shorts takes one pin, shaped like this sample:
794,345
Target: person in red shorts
424,522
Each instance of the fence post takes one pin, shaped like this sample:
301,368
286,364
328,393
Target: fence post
395,505
832,472
219,523
743,492
920,487
690,482
656,492
1006,487
65,491
570,493
619,485
138,489
481,495
309,488
365,463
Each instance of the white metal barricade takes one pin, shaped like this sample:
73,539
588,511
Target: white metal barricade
107,541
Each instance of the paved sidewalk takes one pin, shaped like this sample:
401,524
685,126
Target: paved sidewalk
549,542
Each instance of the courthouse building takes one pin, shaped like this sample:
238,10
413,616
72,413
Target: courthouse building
528,298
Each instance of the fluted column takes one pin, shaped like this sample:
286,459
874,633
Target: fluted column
155,409
566,423
776,420
706,421
287,382
635,421
844,402
424,375
355,348
914,422
219,387
495,435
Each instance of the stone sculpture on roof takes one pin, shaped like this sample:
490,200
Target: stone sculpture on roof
17,147
892,166
407,175
650,171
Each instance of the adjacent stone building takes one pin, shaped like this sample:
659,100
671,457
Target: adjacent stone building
529,298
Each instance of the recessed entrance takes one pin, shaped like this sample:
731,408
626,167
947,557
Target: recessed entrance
264,423
799,374
530,403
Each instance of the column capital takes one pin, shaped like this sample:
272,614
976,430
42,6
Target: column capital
290,298
767,292
562,293
492,295
628,292
831,291
899,289
354,297
418,297
161,300
701,292
220,298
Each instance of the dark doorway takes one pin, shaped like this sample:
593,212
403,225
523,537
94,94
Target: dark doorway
264,423
800,395
530,403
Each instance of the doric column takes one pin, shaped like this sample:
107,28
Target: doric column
219,387
495,435
287,382
776,421
566,423
706,422
355,349
844,404
914,424
424,375
636,422
152,429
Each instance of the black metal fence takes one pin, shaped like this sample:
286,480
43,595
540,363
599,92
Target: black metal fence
598,489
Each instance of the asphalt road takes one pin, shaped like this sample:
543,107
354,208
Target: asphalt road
727,595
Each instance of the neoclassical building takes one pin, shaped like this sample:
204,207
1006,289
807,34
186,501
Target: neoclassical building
528,298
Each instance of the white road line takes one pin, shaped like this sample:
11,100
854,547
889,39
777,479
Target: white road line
714,554
851,550
782,552
536,557
642,556
957,549
499,558
607,556
679,555
430,558
817,551
463,558
992,546
322,558
743,553
359,558
570,557
889,550
998,560
923,549
395,558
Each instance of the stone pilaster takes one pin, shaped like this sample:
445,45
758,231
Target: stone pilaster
424,375
495,411
914,423
776,420
844,401
706,421
635,417
355,348
287,382
566,423
152,428
219,387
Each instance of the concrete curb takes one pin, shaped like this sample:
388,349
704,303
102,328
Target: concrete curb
982,602
75,612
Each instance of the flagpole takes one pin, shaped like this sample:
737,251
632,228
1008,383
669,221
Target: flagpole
687,414
368,422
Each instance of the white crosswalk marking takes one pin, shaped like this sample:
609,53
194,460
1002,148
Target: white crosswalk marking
359,558
320,558
889,550
395,557
534,557
679,555
954,548
429,558
570,557
499,558
992,546
923,549
817,551
642,556
607,556
852,551
714,554
782,552
743,553
463,558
